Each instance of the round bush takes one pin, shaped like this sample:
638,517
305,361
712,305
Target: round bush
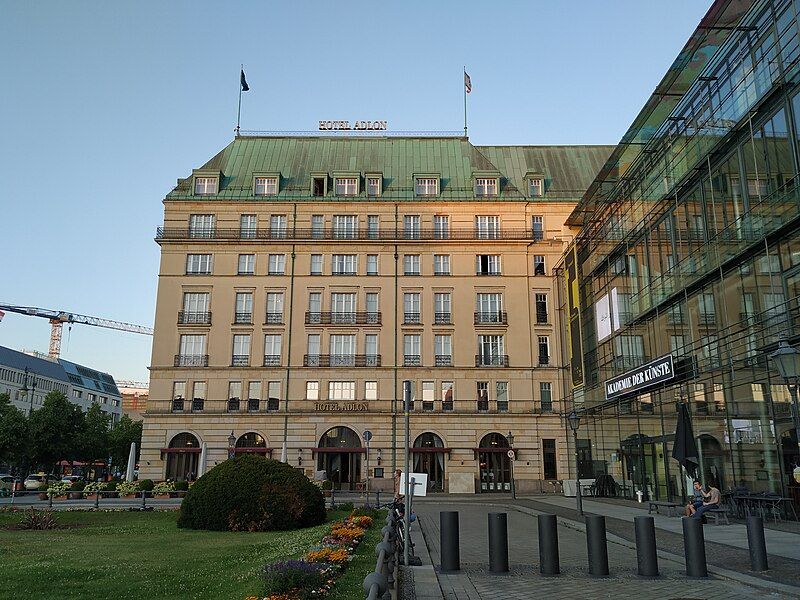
146,485
252,493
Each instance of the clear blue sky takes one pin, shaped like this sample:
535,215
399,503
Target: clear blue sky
103,105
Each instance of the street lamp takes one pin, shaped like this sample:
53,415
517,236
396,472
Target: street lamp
787,361
574,421
24,391
510,438
231,444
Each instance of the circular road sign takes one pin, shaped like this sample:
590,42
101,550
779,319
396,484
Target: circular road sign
510,454
367,435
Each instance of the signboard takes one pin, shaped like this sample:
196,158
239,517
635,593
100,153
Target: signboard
354,126
510,454
574,336
615,318
420,484
602,318
367,435
652,373
341,406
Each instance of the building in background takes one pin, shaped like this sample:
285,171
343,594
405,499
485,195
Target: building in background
82,385
134,398
305,281
689,254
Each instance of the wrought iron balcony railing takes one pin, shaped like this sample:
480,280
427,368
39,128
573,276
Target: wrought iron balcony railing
191,360
343,318
252,404
544,360
329,233
412,360
198,404
177,405
411,318
243,318
272,360
342,360
447,405
483,406
194,318
491,360
274,318
240,360
442,318
541,317
233,405
443,360
491,318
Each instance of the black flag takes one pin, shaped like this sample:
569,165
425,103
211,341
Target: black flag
684,449
245,87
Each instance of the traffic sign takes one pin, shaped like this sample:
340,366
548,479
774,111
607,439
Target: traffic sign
367,435
510,454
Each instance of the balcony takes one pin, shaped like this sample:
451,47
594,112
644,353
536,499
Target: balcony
252,404
177,405
342,360
411,318
447,405
483,406
273,404
487,272
412,360
343,318
274,318
240,360
443,360
442,318
272,360
707,318
191,360
544,360
194,318
491,318
198,404
344,272
233,405
491,360
243,318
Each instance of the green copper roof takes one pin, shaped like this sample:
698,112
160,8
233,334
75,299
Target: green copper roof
568,170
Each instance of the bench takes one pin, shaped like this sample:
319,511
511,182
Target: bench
718,515
672,508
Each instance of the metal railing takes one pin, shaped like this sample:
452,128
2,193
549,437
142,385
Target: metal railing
443,360
274,318
191,360
412,360
411,318
491,318
491,360
243,318
379,583
272,360
442,318
76,498
343,318
240,360
342,360
329,233
194,318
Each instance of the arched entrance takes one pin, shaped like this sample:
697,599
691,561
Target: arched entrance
182,456
252,443
428,452
339,455
494,465
712,461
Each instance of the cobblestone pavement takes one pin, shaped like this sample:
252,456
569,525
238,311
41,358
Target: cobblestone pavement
474,582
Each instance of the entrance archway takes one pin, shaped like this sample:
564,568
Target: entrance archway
494,465
182,457
428,452
712,461
339,455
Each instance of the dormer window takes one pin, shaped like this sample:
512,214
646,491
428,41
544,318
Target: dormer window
485,186
373,185
266,186
427,186
346,186
319,185
536,187
205,186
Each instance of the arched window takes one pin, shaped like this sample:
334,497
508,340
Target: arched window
182,457
251,440
340,437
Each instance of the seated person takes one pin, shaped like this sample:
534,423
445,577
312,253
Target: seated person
697,499
711,500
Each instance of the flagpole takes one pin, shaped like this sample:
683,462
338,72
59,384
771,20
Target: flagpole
239,112
464,85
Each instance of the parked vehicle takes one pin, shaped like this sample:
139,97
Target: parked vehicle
6,483
38,481
70,479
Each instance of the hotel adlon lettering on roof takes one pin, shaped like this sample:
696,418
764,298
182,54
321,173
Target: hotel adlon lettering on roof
652,373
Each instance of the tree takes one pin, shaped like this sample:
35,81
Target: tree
92,442
54,430
120,438
13,433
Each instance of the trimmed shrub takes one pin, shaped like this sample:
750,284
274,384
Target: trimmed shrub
111,486
77,486
327,485
252,493
146,485
182,486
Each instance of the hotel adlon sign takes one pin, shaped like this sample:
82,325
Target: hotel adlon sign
655,372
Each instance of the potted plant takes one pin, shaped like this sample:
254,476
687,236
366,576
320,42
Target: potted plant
181,487
94,489
163,489
327,486
111,489
76,490
59,489
127,489
146,487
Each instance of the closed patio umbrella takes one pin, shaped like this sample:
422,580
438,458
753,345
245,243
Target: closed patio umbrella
131,463
684,449
201,465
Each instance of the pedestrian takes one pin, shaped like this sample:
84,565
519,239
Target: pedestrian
711,500
696,500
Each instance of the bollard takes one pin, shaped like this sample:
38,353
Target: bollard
97,499
596,545
333,497
498,542
646,557
548,545
449,541
144,497
49,500
694,547
757,544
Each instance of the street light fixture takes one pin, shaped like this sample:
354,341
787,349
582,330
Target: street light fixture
574,421
510,438
24,391
787,361
231,444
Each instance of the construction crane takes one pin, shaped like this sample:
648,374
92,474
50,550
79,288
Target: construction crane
59,317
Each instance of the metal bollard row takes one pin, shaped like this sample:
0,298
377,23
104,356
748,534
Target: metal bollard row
380,583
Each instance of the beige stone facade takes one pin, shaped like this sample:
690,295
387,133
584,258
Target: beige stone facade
379,325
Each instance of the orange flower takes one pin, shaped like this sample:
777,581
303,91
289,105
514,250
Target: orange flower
337,556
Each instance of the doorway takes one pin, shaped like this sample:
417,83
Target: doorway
429,454
339,455
494,465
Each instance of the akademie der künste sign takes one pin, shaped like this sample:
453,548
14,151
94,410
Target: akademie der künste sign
652,373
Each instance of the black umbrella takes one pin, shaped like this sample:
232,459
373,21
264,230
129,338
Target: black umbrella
684,450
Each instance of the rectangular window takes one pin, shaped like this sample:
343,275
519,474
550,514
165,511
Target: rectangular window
373,226
544,350
411,227
272,350
411,308
234,395
447,395
442,308
198,395
538,264
536,187
487,227
487,264
316,264
443,350
247,264
318,186
372,264
441,227
192,346
195,307
491,351
314,345
373,186
427,186
370,390
204,186
676,345
546,396
274,308
441,264
708,313
253,396
345,227
201,226
241,350
549,459
483,396
198,264
428,395
537,227
342,350
341,390
248,226
317,227
273,395
344,264
411,264
372,307
277,226
343,308
312,390
371,349
178,390
266,186
485,187
541,308
501,395
244,308
412,394
277,264
411,350
346,186
315,303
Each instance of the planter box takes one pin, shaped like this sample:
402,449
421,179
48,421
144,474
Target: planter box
75,495
163,496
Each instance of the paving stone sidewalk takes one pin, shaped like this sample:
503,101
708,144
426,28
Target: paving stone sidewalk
474,582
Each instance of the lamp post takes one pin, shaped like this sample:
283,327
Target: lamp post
787,360
231,445
32,389
510,438
574,421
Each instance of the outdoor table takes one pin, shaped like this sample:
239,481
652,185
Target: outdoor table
763,505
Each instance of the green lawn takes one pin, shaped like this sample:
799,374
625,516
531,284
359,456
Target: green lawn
144,555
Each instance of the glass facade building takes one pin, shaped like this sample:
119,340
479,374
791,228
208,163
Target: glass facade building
689,247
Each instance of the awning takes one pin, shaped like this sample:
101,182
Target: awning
495,449
339,450
429,450
255,450
180,450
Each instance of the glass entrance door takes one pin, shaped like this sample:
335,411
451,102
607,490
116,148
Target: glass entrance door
431,463
341,468
495,472
642,463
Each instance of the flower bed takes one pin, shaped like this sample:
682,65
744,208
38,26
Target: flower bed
314,574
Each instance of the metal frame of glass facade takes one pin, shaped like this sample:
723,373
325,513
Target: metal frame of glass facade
695,249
